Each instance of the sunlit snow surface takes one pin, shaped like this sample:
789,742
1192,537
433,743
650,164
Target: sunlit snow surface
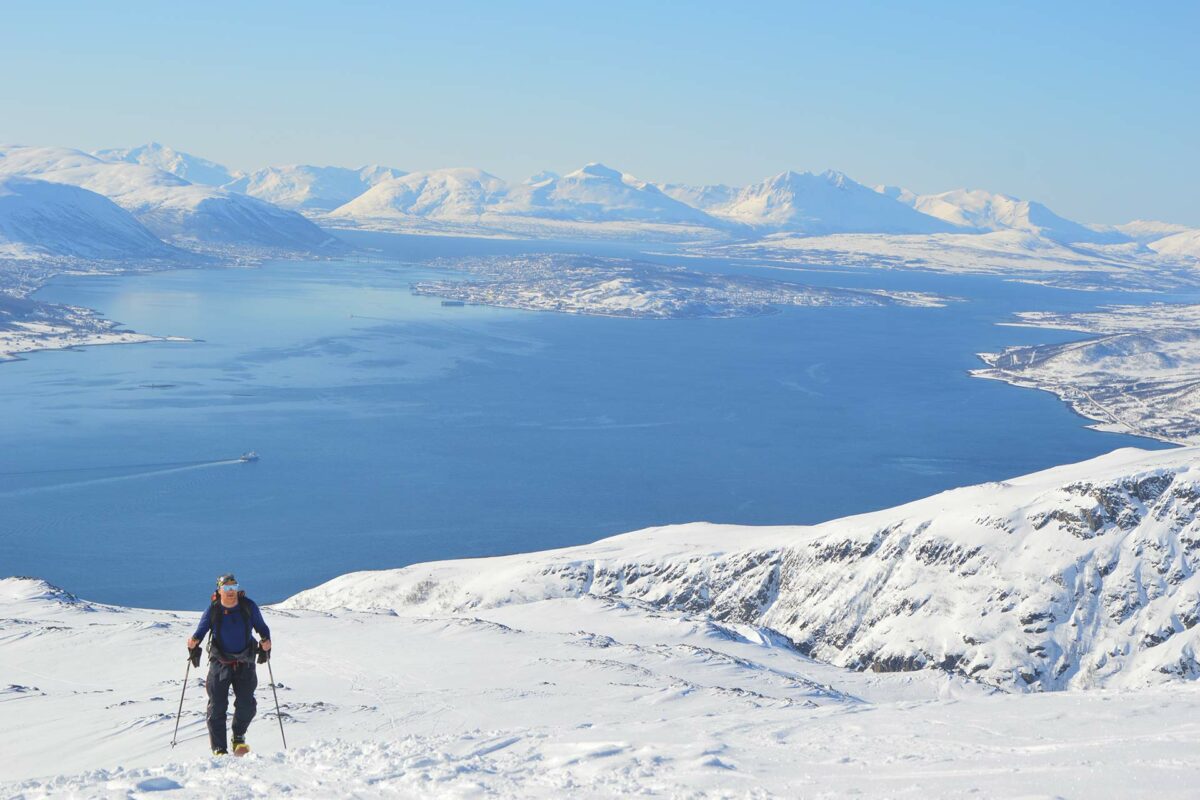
498,677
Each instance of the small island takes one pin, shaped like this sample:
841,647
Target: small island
614,287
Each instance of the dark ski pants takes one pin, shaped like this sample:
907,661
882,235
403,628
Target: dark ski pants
244,680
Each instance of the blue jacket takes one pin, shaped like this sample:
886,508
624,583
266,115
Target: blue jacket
235,634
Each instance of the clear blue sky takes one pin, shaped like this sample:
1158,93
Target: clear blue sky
1092,108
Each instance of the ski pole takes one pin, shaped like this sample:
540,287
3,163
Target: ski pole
278,716
186,672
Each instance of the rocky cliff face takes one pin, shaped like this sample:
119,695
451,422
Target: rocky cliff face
1081,576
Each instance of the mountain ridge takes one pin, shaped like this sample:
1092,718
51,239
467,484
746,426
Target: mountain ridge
1079,576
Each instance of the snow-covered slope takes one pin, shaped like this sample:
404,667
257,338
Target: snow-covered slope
305,187
678,661
587,697
455,194
38,218
192,169
830,202
1148,230
1080,576
596,193
898,193
981,210
168,205
1186,244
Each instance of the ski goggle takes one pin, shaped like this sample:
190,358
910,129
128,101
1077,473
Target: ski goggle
229,587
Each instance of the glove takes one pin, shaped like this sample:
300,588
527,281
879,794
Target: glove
194,655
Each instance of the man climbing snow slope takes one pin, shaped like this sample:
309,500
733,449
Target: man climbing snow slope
231,616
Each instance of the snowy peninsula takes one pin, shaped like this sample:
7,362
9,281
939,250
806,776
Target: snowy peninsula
1139,373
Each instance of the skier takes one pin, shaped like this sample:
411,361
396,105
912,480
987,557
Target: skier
231,651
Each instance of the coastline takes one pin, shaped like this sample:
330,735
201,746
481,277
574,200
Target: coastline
30,326
1136,372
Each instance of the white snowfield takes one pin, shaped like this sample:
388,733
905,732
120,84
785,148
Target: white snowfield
662,663
1184,243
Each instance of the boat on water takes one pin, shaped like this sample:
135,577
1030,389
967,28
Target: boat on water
249,455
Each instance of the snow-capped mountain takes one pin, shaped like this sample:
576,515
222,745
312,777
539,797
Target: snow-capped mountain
1148,230
596,193
703,197
592,194
39,218
456,194
979,210
830,202
305,187
192,169
168,205
1080,576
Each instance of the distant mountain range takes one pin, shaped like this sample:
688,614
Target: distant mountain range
188,201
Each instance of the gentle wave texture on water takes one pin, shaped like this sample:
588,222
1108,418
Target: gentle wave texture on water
394,430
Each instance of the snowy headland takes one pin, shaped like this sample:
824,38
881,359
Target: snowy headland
1030,637
1139,373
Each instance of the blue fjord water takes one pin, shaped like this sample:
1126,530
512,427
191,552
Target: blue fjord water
394,430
